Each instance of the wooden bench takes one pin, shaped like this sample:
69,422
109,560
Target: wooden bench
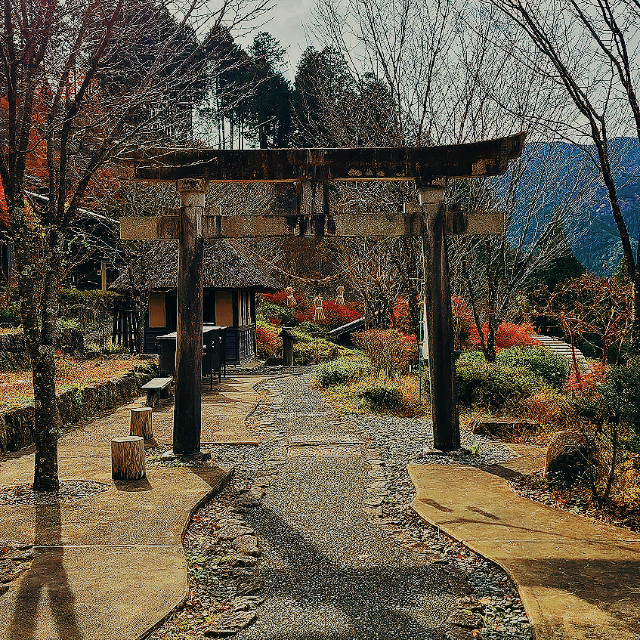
156,389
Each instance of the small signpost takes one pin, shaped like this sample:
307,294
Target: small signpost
310,171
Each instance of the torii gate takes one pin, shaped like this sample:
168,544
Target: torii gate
311,170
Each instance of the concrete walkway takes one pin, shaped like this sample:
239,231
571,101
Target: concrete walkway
110,566
578,579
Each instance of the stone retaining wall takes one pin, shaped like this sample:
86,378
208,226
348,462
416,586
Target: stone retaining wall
17,426
13,351
13,355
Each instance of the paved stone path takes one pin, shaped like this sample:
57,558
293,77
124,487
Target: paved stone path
579,579
111,565
328,572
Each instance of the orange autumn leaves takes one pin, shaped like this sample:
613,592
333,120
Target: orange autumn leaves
16,388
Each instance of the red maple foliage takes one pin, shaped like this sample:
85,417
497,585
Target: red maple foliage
508,335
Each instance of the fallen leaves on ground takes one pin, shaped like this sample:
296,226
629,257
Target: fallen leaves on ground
16,387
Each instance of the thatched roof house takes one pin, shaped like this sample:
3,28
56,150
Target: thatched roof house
232,277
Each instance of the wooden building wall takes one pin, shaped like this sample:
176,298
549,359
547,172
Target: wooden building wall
232,308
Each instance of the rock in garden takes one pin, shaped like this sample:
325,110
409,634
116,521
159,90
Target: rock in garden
229,624
249,588
464,619
245,561
473,604
460,634
233,531
571,459
246,544
246,603
500,429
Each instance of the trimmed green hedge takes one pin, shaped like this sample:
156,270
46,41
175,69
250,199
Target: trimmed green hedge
550,367
494,385
380,396
341,371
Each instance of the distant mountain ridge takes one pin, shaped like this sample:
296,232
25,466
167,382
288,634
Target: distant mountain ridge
555,172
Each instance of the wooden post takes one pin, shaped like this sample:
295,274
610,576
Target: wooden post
127,458
444,407
142,422
187,417
103,276
287,346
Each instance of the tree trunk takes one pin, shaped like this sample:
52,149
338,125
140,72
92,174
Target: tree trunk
35,255
127,458
142,422
48,424
491,340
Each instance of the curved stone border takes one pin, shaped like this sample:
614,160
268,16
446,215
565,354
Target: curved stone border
17,426
201,502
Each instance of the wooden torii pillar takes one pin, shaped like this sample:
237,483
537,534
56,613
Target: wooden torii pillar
311,170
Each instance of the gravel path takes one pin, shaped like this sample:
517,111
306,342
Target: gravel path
325,545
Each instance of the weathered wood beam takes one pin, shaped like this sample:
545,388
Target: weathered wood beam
427,164
187,412
443,393
345,225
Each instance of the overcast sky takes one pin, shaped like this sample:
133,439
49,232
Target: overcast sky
286,22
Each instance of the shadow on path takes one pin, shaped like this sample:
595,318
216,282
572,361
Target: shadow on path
379,601
47,572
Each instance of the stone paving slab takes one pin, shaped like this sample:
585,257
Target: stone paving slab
75,593
109,566
578,579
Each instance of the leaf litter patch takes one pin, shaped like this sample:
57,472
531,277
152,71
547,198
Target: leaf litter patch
20,494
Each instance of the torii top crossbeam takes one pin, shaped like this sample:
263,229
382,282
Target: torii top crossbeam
424,164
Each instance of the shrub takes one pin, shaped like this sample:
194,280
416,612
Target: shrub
269,313
316,350
507,335
494,386
380,396
462,321
68,323
267,339
279,298
549,407
390,351
400,316
551,367
10,316
341,371
312,329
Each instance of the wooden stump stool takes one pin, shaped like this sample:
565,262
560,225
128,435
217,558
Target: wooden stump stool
142,422
127,458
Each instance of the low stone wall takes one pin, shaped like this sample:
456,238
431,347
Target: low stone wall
13,355
17,426
13,352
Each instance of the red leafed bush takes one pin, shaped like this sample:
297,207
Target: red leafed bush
508,335
267,340
588,381
276,298
335,315
462,323
390,351
400,316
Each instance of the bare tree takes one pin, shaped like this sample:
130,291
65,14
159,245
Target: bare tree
84,81
590,49
492,271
